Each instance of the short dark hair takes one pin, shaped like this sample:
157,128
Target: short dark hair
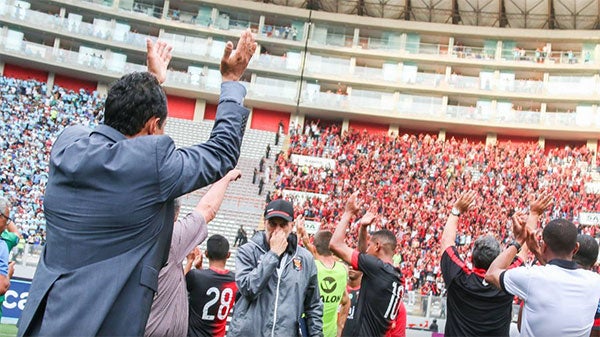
132,101
386,238
321,242
217,248
485,250
560,235
587,254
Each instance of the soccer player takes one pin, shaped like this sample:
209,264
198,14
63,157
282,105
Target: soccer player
211,291
353,290
381,289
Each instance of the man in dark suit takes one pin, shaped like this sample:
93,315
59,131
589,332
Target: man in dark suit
109,202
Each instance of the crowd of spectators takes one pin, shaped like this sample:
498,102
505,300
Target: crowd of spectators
31,119
414,179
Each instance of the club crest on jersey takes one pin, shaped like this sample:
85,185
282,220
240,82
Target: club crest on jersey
297,264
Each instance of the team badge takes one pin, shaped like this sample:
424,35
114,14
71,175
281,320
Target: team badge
298,264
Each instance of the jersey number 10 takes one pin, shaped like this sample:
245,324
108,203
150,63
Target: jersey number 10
392,309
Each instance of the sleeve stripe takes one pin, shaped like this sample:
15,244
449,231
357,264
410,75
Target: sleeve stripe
354,261
456,259
502,287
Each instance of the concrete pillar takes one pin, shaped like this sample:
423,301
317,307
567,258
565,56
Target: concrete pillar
494,112
548,52
165,13
249,119
63,11
448,74
444,109
213,16
542,142
116,4
403,41
199,110
356,37
261,25
451,45
498,55
491,139
442,135
50,81
298,119
305,35
2,68
345,125
545,83
394,129
352,65
102,89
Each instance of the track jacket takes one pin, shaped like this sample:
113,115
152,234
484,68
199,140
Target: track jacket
272,302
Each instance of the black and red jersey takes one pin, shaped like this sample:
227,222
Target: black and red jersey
475,307
211,295
380,296
353,297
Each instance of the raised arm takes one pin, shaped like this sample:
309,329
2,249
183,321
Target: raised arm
363,223
212,200
501,263
463,204
338,244
536,208
304,236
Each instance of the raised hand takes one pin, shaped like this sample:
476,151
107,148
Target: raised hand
300,227
352,205
520,229
466,201
369,217
158,57
541,204
534,246
233,175
234,62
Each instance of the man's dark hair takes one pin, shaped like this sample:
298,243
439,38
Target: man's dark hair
485,249
587,254
386,238
321,242
132,101
560,235
217,248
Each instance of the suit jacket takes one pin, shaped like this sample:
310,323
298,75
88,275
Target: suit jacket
109,218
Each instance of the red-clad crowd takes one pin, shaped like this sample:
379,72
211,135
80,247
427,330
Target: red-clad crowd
413,179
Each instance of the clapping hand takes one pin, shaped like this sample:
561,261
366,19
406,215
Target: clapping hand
352,205
466,201
233,175
158,58
541,204
369,216
234,62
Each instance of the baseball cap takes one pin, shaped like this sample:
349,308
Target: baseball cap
280,209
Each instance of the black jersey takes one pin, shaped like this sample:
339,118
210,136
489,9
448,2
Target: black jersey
212,295
380,295
353,297
475,307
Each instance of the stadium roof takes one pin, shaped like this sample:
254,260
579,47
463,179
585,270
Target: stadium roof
538,14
